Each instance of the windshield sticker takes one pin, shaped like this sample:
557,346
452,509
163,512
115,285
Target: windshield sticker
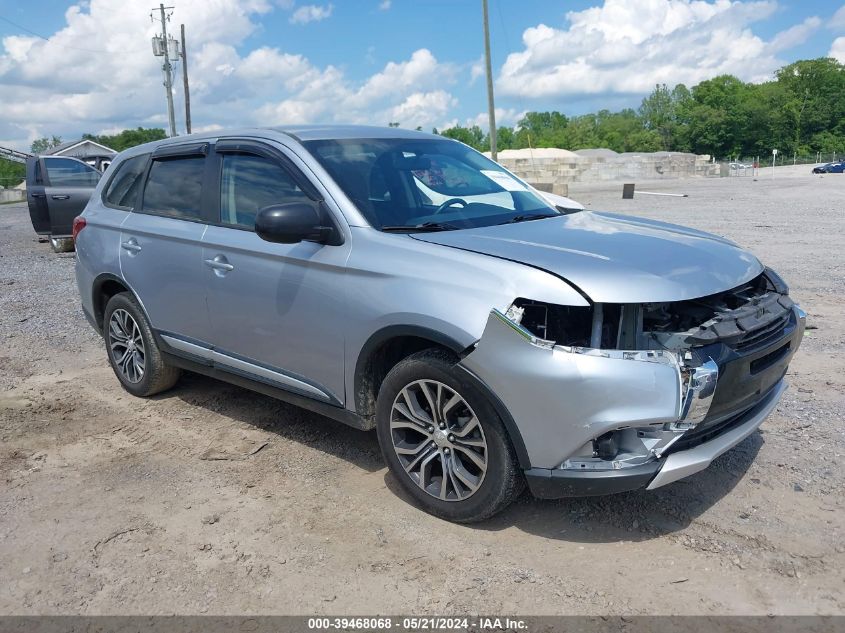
504,180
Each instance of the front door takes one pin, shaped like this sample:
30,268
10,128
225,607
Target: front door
68,185
276,310
161,247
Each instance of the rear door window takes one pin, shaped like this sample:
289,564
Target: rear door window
174,187
249,183
67,172
126,183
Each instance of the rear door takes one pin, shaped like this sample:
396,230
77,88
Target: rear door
161,249
36,198
68,185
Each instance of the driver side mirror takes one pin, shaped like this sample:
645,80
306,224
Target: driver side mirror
294,222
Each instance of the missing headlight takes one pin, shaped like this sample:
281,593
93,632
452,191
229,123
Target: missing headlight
565,325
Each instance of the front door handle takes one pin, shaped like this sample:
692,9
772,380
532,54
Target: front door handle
131,245
220,264
38,195
61,197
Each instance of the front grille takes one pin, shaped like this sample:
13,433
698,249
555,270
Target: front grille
761,336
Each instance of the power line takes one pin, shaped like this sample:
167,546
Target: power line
54,43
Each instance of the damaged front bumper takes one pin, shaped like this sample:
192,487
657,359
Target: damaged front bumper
597,421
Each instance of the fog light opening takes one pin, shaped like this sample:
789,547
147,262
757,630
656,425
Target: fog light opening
605,446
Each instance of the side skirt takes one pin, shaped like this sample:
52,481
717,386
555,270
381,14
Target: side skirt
334,412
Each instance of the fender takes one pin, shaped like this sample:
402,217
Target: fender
396,331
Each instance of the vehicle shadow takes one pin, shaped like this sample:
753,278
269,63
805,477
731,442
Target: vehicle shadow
287,421
630,516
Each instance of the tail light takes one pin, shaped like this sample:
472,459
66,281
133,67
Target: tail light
78,224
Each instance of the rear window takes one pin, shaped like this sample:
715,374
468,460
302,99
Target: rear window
126,183
66,172
174,187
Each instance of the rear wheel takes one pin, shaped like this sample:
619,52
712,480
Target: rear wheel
132,350
443,441
61,244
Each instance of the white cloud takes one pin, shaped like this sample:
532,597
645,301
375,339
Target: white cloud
837,50
411,92
311,13
627,46
385,5
98,71
795,35
52,87
476,70
422,109
421,71
838,19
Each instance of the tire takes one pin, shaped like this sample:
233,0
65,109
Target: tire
128,336
484,474
61,244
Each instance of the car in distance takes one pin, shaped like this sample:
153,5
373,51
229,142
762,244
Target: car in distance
57,190
830,168
402,281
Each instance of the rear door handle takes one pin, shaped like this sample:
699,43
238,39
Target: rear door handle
60,197
219,264
131,245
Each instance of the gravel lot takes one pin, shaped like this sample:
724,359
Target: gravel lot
211,499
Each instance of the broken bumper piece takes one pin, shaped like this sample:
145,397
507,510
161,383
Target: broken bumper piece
598,422
555,483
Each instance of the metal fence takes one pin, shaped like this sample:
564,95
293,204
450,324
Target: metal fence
786,159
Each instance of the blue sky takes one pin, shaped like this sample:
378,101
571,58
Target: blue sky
373,61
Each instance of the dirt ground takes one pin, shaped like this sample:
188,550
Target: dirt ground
212,499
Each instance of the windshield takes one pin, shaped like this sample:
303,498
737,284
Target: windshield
426,184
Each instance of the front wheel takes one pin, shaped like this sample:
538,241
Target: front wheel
443,441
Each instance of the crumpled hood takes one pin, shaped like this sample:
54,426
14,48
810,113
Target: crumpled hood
615,258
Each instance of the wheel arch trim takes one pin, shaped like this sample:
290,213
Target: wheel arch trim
382,336
99,281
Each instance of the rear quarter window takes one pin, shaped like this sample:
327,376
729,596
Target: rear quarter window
174,187
123,189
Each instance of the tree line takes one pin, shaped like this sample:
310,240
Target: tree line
801,111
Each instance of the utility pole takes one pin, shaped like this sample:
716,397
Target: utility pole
490,106
185,83
166,67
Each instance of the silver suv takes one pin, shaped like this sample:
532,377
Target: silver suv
400,281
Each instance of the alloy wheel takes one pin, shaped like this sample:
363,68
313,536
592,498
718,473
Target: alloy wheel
438,440
126,345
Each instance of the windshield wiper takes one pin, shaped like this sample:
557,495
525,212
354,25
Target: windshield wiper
526,217
421,228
